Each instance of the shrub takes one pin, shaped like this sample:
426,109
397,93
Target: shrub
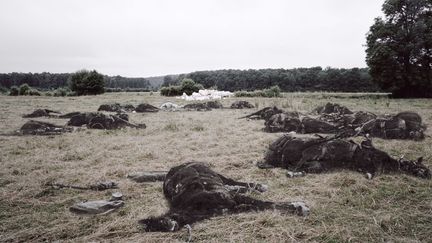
34,92
3,89
87,82
14,91
24,89
109,90
60,92
273,91
171,91
71,93
187,86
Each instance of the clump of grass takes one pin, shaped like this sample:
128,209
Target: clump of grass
256,104
73,156
198,128
148,155
171,127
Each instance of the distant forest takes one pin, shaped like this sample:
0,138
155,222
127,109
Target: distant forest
289,80
57,80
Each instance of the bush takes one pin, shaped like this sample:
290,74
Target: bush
24,89
3,90
60,92
71,93
14,91
109,90
187,86
34,92
171,91
87,82
273,91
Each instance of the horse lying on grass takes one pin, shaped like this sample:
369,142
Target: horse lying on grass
195,192
319,154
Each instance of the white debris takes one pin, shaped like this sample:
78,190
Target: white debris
292,174
169,106
206,94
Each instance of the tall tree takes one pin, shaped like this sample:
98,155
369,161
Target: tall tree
87,82
399,48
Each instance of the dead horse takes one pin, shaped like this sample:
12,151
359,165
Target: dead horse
320,154
195,192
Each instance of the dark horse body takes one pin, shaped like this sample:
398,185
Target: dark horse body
195,192
319,154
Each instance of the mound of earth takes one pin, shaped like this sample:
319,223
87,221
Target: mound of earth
42,128
144,107
241,104
40,113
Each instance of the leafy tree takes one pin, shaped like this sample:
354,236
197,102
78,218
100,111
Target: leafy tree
24,89
3,89
14,91
399,48
189,86
87,82
289,80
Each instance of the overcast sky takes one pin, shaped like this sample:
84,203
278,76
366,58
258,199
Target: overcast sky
155,37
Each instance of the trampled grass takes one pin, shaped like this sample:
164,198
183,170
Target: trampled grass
345,206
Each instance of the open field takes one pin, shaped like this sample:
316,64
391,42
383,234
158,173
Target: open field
345,206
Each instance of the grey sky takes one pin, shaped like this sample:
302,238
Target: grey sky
156,37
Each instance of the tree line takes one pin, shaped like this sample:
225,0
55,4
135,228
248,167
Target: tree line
289,80
47,81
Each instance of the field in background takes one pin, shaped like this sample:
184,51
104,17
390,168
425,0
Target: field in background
344,205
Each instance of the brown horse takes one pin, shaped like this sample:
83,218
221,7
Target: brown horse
319,154
195,192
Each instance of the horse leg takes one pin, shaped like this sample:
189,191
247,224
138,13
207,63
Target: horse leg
242,187
246,204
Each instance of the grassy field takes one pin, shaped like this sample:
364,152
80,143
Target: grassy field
345,206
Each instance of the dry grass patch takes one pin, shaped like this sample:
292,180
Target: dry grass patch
344,205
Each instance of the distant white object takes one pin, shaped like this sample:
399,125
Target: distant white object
206,94
169,106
